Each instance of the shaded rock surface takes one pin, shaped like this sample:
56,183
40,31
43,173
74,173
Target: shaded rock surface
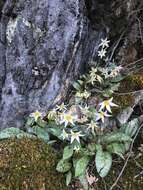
44,45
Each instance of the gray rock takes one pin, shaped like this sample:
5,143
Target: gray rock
44,45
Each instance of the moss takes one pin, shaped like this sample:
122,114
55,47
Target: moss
28,165
136,81
131,84
124,100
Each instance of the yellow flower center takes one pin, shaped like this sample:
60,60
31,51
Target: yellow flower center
101,114
68,118
106,103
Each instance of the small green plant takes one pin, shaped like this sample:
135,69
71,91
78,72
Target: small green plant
82,126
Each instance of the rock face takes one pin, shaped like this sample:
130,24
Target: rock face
44,45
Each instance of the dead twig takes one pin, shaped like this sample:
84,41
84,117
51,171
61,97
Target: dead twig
117,44
126,162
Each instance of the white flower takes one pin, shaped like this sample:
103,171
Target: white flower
64,135
52,114
93,70
85,110
104,43
115,71
84,94
94,76
76,149
36,115
76,136
61,107
93,126
101,116
102,53
68,118
107,104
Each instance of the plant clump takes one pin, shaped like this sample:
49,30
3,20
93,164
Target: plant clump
83,128
87,132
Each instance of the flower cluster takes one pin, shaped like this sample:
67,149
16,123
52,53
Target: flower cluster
104,45
94,76
69,119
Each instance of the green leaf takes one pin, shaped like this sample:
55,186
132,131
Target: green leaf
115,137
13,132
30,121
132,127
83,181
41,133
127,145
63,166
68,178
56,131
68,152
81,166
117,148
41,123
103,161
117,79
77,86
92,147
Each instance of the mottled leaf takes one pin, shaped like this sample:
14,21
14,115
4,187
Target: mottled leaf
68,152
63,166
81,166
41,133
117,148
115,137
83,181
68,178
103,161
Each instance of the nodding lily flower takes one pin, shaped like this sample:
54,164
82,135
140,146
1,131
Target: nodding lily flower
107,104
84,94
52,114
93,126
76,149
76,136
101,116
61,107
36,115
94,76
102,53
104,43
68,118
93,70
64,135
115,71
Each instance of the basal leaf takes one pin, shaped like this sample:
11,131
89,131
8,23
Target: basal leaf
81,166
103,161
132,127
41,133
68,178
63,166
55,131
115,137
13,132
68,152
83,181
30,121
77,86
41,123
117,148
